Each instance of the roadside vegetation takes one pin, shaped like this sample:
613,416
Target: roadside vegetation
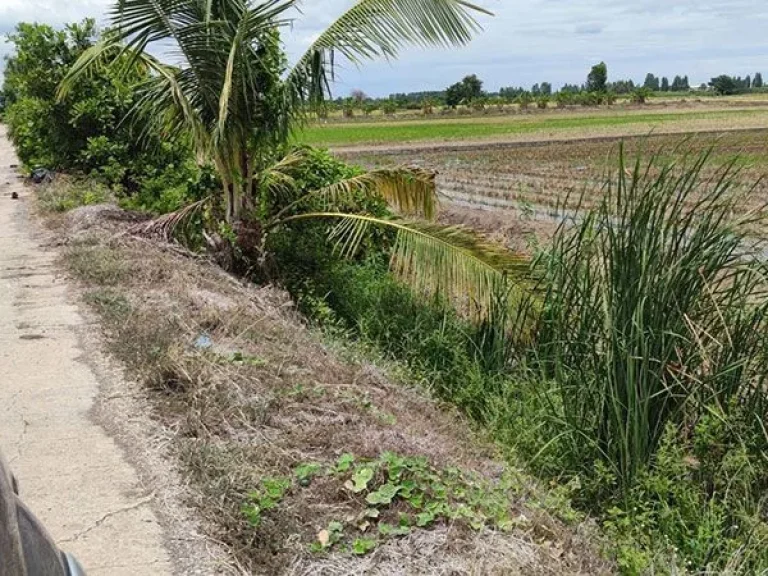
622,362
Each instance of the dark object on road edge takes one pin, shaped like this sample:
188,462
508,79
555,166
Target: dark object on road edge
26,548
40,175
14,195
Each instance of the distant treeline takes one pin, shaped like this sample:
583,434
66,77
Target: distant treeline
595,91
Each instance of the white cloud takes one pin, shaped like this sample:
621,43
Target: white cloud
528,41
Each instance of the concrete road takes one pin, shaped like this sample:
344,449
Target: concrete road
72,475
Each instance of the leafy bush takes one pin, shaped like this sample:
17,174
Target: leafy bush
641,95
525,100
85,131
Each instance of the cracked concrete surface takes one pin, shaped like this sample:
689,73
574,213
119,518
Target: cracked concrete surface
71,474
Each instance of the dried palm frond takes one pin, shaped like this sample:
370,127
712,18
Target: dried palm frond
166,225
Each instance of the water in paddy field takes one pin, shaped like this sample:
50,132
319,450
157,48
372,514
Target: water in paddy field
549,214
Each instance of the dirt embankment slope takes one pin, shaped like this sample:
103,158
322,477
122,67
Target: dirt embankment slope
272,429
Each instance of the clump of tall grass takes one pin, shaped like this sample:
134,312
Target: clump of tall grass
653,312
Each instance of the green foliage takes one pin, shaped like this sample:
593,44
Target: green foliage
701,505
597,80
467,91
676,477
525,100
457,361
648,380
396,494
267,497
652,83
641,95
84,131
724,85
234,96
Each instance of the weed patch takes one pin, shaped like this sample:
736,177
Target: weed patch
96,264
65,193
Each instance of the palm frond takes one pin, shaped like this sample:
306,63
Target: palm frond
91,60
410,190
277,181
434,259
380,28
166,225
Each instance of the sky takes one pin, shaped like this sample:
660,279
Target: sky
525,42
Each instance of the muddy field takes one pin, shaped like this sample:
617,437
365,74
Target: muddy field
515,191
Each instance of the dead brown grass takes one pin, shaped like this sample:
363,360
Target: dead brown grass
267,396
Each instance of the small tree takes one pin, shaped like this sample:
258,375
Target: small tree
758,80
348,108
389,107
651,82
564,98
724,85
524,100
358,98
641,95
542,102
665,84
473,88
464,92
454,95
597,79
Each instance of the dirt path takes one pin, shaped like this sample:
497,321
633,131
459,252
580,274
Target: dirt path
71,473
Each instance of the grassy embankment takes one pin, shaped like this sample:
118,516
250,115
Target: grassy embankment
304,458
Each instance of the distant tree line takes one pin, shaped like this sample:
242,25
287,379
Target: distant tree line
597,90
726,85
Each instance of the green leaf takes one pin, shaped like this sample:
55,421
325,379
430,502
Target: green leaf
384,495
344,462
252,513
432,258
386,529
362,546
424,519
360,480
305,472
371,513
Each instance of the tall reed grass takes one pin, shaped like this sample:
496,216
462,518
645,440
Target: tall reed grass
653,311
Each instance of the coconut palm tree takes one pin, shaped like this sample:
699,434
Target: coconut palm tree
234,94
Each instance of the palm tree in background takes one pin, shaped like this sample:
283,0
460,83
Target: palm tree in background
233,92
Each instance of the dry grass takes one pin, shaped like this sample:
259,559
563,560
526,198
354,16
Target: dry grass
267,396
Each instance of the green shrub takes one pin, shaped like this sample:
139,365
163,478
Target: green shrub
86,131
